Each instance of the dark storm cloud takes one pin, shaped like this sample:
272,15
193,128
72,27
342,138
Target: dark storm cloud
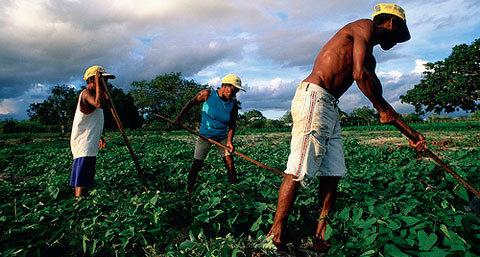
52,42
275,94
293,47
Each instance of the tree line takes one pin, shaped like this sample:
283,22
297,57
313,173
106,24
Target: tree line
449,85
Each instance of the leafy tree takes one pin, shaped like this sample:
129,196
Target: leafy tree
412,118
259,123
287,118
476,115
166,95
254,115
58,109
364,115
9,126
125,106
451,84
24,126
252,119
343,117
269,123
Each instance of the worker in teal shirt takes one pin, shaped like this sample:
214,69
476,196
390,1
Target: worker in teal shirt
219,116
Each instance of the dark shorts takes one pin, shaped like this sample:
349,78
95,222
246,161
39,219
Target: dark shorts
83,171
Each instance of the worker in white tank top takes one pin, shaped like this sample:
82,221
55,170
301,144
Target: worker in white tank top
86,129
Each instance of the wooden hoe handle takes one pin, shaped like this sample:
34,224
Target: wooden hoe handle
259,164
410,133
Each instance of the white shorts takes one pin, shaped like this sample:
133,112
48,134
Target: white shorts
202,147
316,148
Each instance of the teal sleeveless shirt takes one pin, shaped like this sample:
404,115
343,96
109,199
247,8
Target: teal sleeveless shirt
215,117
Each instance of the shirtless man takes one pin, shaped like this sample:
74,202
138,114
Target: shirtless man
316,147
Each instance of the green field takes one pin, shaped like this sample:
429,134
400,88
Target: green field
392,203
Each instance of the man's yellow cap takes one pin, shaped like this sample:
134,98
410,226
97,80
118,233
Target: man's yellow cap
389,8
90,72
233,80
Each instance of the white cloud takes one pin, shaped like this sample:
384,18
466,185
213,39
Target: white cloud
392,76
215,82
419,66
275,83
212,44
273,94
402,107
8,106
352,99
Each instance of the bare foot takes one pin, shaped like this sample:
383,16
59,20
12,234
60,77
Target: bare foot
275,237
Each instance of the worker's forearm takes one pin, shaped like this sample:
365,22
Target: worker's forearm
373,93
231,133
98,92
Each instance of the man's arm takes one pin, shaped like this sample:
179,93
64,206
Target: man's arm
95,101
201,97
368,82
232,126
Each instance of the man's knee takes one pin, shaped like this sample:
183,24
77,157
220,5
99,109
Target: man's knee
290,177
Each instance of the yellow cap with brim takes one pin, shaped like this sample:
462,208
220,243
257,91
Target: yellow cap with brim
393,9
90,72
389,8
233,80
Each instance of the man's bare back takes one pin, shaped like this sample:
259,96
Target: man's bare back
333,67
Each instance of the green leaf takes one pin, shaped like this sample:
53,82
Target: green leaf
255,226
368,253
235,252
186,245
444,230
344,214
191,236
393,225
426,241
369,240
207,216
382,211
328,232
410,220
154,199
214,201
357,215
462,192
94,247
435,252
444,204
392,250
84,243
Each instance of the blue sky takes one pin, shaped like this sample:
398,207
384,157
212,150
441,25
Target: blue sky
271,45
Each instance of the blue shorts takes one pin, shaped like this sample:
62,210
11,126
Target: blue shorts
83,171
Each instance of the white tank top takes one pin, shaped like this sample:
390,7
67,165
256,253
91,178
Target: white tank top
86,132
